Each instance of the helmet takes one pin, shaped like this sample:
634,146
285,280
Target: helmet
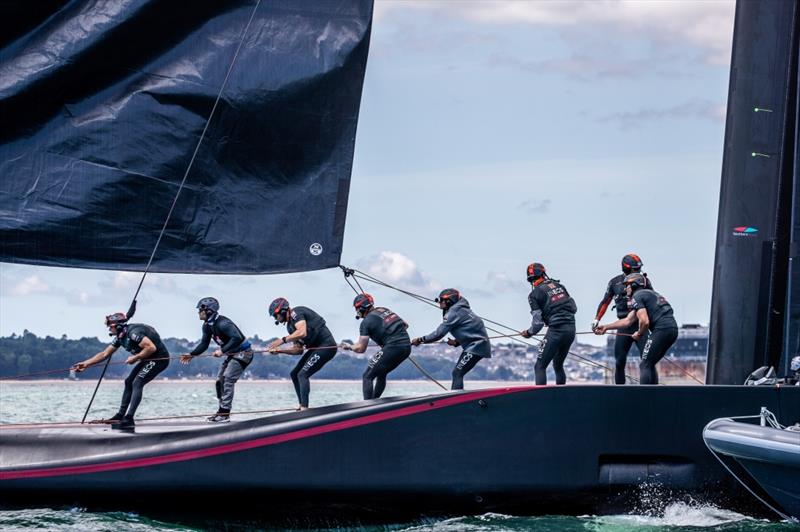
763,376
208,303
631,262
117,321
795,364
636,280
362,303
534,271
448,296
278,307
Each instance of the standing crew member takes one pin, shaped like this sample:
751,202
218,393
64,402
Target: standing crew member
149,354
307,331
551,305
616,292
232,343
468,330
386,329
653,312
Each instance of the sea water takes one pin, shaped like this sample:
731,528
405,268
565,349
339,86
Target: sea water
57,401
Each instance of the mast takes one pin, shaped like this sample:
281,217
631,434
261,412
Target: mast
750,326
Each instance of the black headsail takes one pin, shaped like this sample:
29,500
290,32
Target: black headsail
755,309
102,106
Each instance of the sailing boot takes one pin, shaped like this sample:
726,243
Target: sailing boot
126,424
222,416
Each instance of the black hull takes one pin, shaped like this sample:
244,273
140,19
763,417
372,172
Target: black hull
566,449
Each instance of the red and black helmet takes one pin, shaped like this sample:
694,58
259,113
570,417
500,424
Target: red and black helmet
279,307
631,263
636,280
448,296
362,303
117,321
534,271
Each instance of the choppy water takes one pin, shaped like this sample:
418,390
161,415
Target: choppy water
24,402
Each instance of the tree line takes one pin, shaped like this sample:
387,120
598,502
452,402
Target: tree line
27,354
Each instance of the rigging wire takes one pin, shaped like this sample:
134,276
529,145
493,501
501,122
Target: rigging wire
364,276
132,308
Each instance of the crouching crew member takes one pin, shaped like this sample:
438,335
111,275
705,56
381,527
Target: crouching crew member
653,312
232,343
307,332
551,305
386,329
149,354
468,330
616,292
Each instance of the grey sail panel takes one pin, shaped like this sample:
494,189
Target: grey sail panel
102,107
751,264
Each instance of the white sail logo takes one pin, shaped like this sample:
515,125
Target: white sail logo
315,248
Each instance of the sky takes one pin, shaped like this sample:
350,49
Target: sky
491,135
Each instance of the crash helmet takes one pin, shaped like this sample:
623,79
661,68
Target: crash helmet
635,280
279,308
116,323
448,297
208,304
631,263
534,271
363,303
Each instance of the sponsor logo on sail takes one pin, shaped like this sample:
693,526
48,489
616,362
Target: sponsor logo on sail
745,230
315,249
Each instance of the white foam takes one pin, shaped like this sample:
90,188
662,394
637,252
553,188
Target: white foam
683,514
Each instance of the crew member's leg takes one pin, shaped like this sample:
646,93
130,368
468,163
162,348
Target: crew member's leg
141,374
314,363
465,363
564,339
237,364
218,384
547,351
656,347
294,374
383,362
622,346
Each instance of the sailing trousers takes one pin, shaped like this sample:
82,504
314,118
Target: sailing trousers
622,346
381,363
465,363
554,348
311,362
142,373
657,345
229,372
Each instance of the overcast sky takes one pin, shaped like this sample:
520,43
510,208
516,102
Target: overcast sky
491,134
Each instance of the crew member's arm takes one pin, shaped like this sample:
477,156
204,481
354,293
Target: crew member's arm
295,349
603,306
148,348
359,347
536,319
299,333
230,330
201,347
644,323
440,332
627,321
99,357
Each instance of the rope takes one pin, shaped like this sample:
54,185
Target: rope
180,187
356,273
160,418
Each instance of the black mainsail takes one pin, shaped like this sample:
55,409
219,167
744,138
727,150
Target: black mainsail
103,104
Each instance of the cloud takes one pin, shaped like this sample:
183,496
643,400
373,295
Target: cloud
501,282
399,270
706,26
532,206
29,286
695,108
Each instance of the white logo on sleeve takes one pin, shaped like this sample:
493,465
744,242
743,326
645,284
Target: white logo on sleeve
315,249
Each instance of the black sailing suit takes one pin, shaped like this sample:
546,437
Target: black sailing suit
663,331
386,329
145,370
552,305
622,343
320,349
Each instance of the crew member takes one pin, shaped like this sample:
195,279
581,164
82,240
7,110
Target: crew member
386,329
654,313
468,330
551,305
616,292
307,332
149,354
232,343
